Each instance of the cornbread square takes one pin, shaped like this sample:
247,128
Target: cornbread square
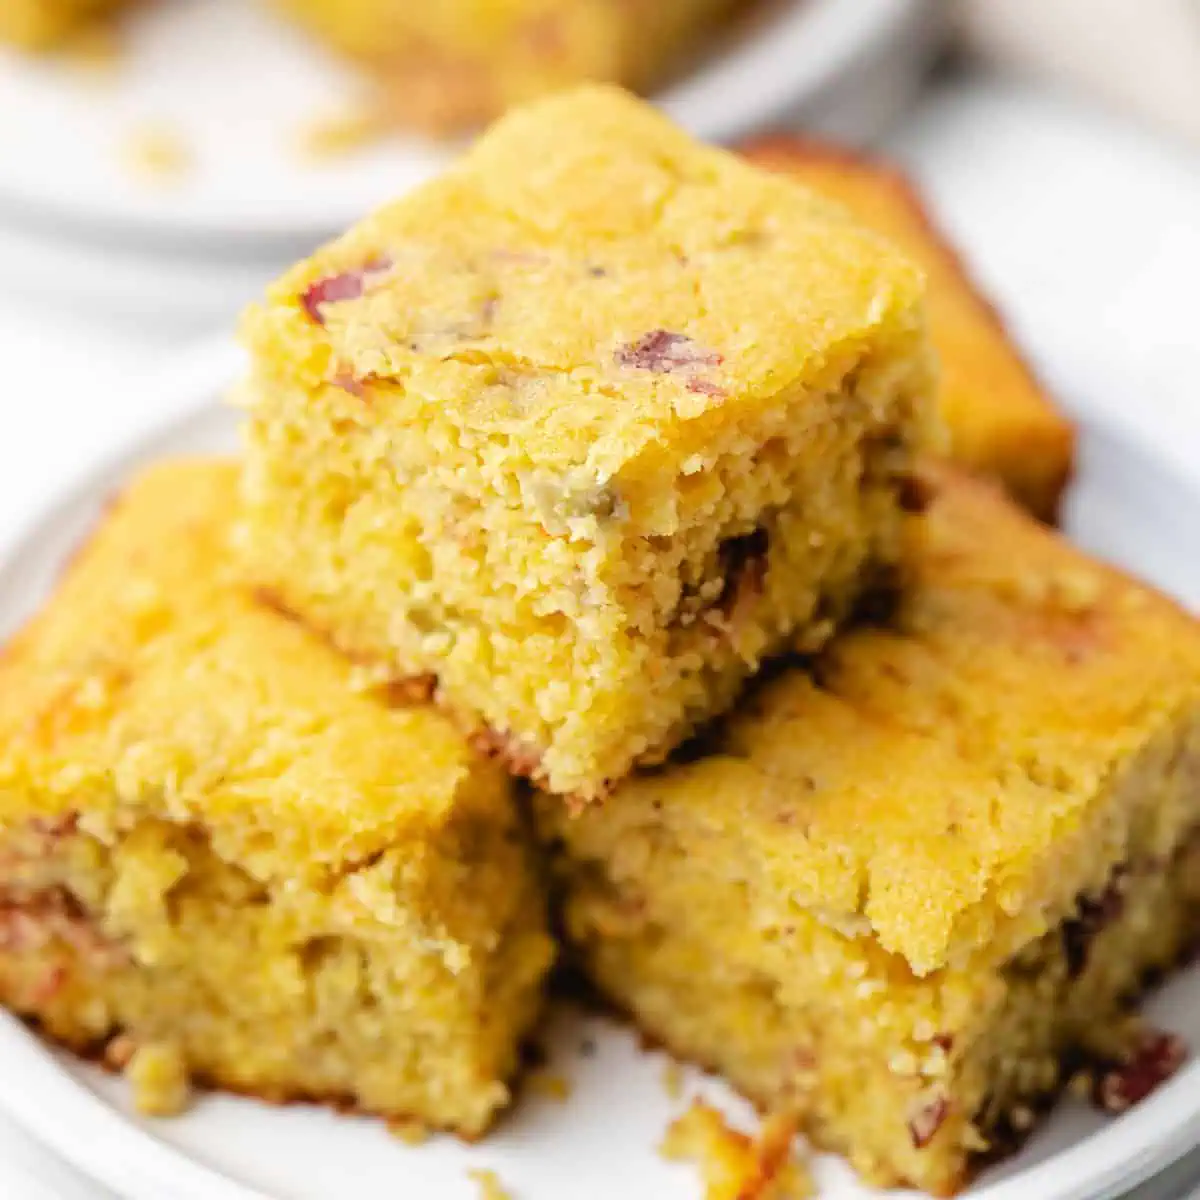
460,63
218,861
40,24
898,894
585,430
1001,421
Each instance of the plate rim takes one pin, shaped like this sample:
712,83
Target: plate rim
99,1140
791,58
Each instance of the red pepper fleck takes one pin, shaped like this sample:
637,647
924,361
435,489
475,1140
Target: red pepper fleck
1158,1057
347,285
664,352
927,1120
53,980
347,382
705,388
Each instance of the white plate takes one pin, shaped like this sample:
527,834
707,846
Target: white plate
1127,505
239,86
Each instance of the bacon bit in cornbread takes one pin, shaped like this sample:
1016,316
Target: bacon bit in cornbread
51,983
927,1119
553,1087
348,383
735,1166
520,760
664,352
119,1051
1153,1062
490,1187
31,922
672,353
348,285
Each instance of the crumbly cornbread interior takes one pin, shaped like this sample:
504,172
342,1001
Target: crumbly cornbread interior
586,429
913,878
212,844
1000,421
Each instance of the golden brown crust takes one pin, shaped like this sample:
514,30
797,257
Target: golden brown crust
1037,462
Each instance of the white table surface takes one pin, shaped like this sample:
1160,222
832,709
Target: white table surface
1076,219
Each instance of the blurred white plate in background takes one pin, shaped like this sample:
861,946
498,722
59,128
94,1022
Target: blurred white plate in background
239,87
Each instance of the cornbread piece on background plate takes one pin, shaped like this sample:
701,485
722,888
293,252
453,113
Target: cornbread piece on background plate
457,63
895,896
220,861
586,429
38,24
1001,423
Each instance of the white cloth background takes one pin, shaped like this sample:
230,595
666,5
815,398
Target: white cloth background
1142,55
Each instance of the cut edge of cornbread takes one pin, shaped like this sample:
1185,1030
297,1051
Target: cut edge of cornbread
590,528
1028,444
394,968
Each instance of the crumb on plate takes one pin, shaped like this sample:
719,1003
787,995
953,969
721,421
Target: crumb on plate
158,1074
734,1165
490,1187
159,153
551,1085
334,135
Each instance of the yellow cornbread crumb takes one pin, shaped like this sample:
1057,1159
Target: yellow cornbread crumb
733,1165
158,1074
342,133
551,1085
1001,422
159,153
672,1078
411,1133
42,24
490,1187
897,892
588,429
226,864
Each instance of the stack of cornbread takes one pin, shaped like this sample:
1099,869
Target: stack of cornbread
612,463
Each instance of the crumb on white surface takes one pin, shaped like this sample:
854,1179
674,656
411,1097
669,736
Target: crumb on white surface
734,1165
158,153
551,1085
158,1075
490,1187
338,134
408,1131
